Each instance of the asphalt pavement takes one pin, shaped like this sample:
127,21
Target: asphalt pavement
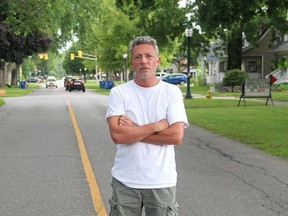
42,174
231,178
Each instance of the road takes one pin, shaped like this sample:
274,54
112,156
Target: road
42,172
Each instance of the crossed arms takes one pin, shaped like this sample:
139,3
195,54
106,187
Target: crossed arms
124,131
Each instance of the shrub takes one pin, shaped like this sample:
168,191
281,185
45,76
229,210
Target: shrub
283,86
234,78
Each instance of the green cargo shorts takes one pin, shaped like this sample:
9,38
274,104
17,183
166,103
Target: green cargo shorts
127,201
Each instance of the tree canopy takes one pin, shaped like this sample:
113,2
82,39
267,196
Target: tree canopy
104,28
30,27
228,19
121,21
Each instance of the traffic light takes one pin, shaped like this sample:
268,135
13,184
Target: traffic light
45,56
41,55
72,56
80,53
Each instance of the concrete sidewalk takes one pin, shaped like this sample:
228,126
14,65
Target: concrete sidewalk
275,103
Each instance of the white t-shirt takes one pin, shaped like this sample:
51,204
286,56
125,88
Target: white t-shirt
143,165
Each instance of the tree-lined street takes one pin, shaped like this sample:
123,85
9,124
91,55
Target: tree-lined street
42,172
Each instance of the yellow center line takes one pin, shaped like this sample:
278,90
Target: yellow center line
94,189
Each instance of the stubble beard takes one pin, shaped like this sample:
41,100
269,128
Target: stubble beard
144,76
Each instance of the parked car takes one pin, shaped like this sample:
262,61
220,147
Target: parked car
177,79
41,79
78,84
160,75
51,82
33,80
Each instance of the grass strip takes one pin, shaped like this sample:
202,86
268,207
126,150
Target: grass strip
263,127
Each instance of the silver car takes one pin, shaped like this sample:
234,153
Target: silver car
51,82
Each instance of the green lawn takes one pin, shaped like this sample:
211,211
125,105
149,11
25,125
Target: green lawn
263,127
17,92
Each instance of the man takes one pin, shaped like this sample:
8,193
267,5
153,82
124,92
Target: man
146,118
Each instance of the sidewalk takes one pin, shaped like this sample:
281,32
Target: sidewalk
275,103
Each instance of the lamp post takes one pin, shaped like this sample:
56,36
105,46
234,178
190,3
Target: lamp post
125,72
188,33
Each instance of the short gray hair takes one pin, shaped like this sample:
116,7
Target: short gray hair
143,40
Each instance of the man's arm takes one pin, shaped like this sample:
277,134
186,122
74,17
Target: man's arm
172,134
125,132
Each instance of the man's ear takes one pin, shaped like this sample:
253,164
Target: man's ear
158,60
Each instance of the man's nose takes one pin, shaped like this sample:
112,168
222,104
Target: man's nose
143,59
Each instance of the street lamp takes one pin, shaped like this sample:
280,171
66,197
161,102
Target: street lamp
125,72
188,33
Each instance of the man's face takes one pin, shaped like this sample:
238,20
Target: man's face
144,61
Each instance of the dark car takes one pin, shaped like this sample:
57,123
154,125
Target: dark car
66,81
177,79
78,84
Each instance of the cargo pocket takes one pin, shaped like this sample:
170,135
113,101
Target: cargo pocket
172,210
113,207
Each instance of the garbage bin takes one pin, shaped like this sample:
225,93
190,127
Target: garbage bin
109,85
102,84
23,84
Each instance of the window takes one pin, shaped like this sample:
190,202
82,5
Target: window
253,66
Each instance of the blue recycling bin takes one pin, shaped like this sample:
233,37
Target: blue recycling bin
109,85
23,84
102,84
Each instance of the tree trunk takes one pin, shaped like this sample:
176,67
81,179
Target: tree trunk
8,76
14,69
2,73
1,77
234,50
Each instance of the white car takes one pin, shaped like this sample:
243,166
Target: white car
51,82
159,75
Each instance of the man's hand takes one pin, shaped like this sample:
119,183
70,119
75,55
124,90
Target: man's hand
162,125
124,120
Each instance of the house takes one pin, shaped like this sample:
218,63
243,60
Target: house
281,54
215,63
257,61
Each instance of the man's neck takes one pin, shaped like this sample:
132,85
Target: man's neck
146,83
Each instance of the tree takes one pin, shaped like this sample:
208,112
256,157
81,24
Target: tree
60,19
75,66
163,20
28,66
119,24
25,23
228,19
15,48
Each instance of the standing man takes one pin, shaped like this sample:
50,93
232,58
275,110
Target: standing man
146,118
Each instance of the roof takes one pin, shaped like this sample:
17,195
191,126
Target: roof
283,47
261,38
